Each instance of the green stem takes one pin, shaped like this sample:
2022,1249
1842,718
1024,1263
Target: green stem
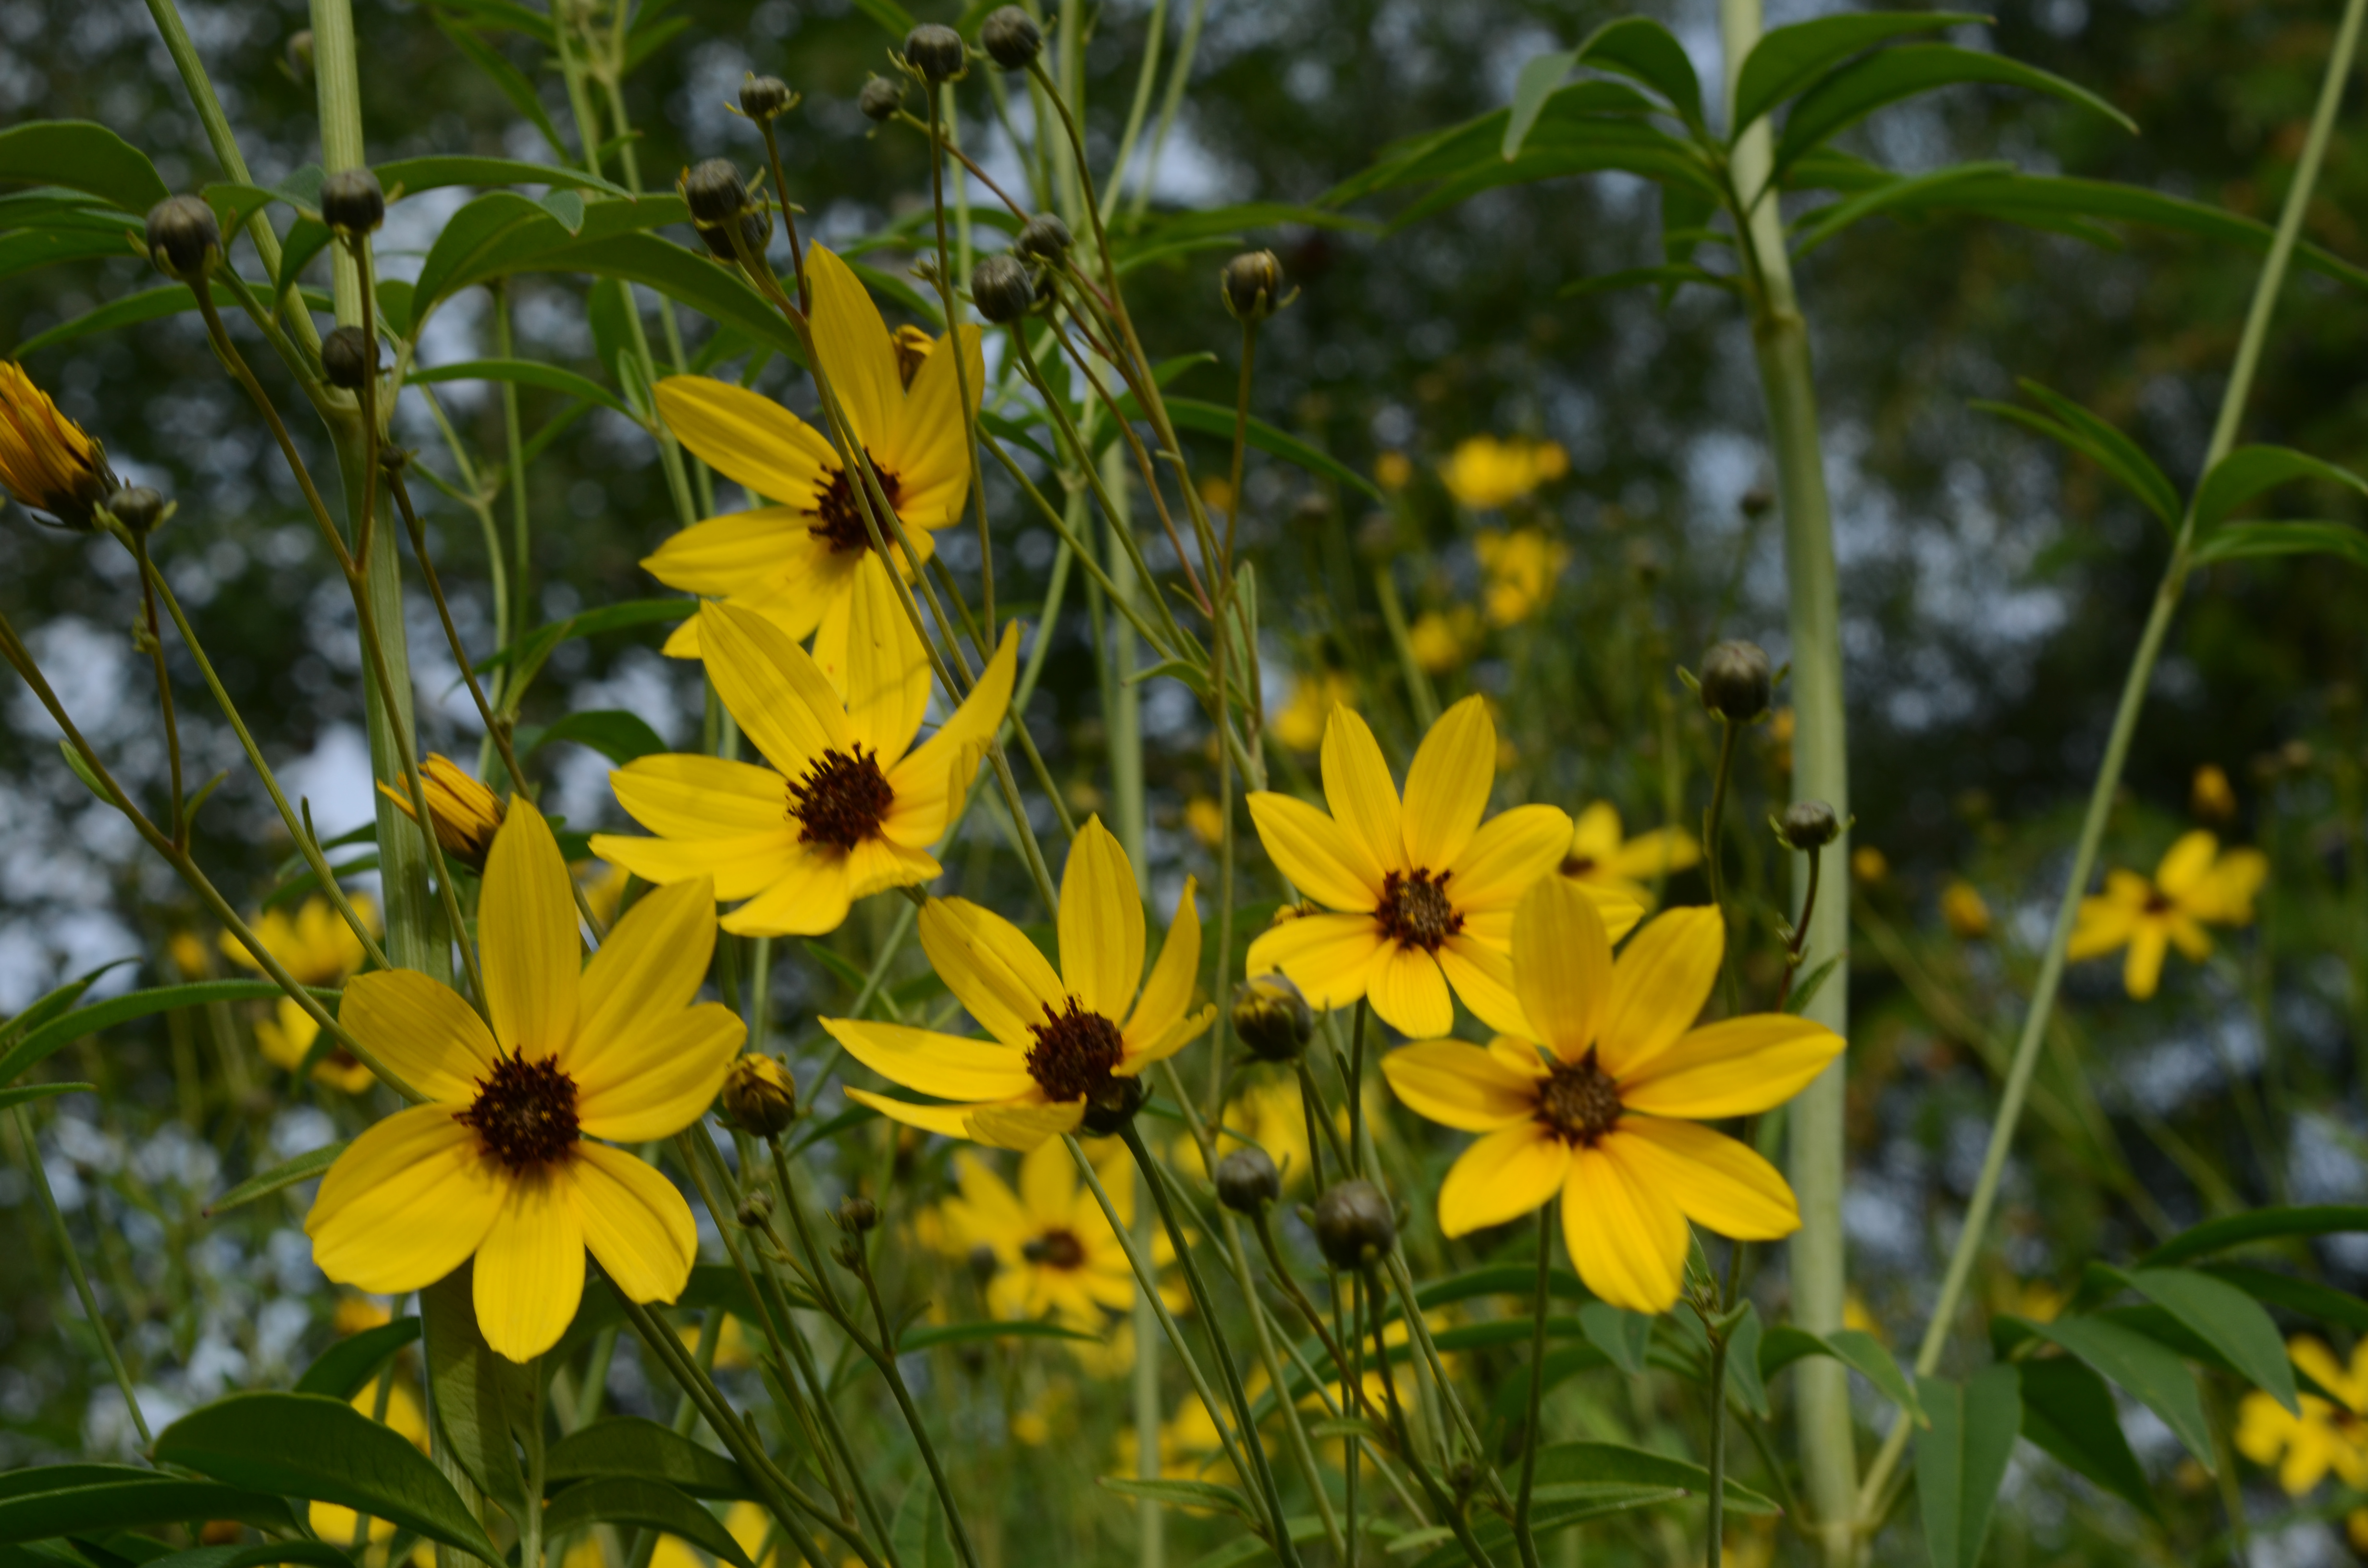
81,1280
1530,1442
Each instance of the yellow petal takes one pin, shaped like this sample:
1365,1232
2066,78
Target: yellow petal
1627,1240
858,357
1595,832
887,670
758,553
2104,925
1507,1174
2187,863
1658,987
1101,923
528,944
1357,786
1721,1184
1410,995
945,1066
2226,893
949,1121
1739,1067
809,899
998,974
1024,1125
940,769
1328,957
2141,970
405,1204
1665,851
771,686
739,868
1620,907
1562,965
661,1078
1447,788
649,970
530,1265
1139,1054
746,436
1322,858
1048,1187
927,448
686,796
1483,977
2187,936
1459,1086
420,1029
876,865
1507,856
1169,990
635,1223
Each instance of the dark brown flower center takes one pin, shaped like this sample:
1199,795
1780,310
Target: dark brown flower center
842,798
839,514
1055,1249
1578,865
525,1112
1415,911
2158,902
1579,1102
1073,1052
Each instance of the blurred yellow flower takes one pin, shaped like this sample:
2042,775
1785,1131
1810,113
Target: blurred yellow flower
732,1351
1393,470
2211,796
2326,1436
1600,857
604,888
2040,1300
1778,738
1518,570
1856,1314
1205,819
1443,641
1963,911
1483,472
1299,722
47,461
2195,885
355,1313
188,955
1217,492
319,948
1269,1114
1870,865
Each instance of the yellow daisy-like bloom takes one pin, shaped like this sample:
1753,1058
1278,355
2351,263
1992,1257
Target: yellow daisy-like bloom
47,461
317,948
1057,1044
1299,722
1442,641
848,806
500,1163
2325,1436
1423,892
796,558
1605,1107
1483,472
1392,470
1518,570
1600,857
466,814
2211,796
1964,911
2196,885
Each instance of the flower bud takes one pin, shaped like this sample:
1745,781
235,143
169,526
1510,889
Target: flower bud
713,191
1248,1181
351,201
857,1214
765,97
755,1209
347,358
759,1097
881,98
936,53
1114,1105
1012,38
1271,1019
1000,287
184,238
1354,1225
139,509
299,55
1808,825
1043,238
983,1264
1252,285
1736,682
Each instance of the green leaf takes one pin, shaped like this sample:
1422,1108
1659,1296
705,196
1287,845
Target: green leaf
2144,1367
38,248
2230,1320
1205,1494
25,1094
345,1369
1498,1280
1645,49
1563,1363
653,1504
929,1334
1619,1334
477,1399
305,1444
1541,76
628,1444
2118,456
472,234
1743,1377
303,1167
1960,1459
1458,150
149,305
2307,1296
528,372
1669,275
1598,1464
1217,419
893,18
130,1504
1850,94
65,1477
60,1032
307,237
1864,1355
2068,1411
1822,225
2253,541
616,734
718,293
538,643
511,82
1582,147
263,1554
2249,470
1805,989
1505,1331
1786,60
434,173
53,1004
81,154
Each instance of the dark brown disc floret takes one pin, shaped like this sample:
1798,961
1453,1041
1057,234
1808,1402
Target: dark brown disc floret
839,515
525,1112
1055,1249
1415,911
842,798
1579,1101
1074,1053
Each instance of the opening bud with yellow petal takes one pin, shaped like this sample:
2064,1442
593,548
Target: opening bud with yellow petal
47,461
1248,1181
1736,681
1272,1019
936,53
1012,38
759,1097
1252,286
352,202
184,238
467,814
1354,1227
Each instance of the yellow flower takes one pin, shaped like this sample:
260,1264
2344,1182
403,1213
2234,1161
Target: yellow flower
286,1039
1856,1314
1779,739
189,955
2195,885
1442,641
466,814
1601,858
1206,820
2326,1436
1483,472
353,1315
499,1163
2040,1300
336,1522
796,557
1216,493
1299,722
1518,570
1057,1042
1870,865
47,461
316,945
2211,796
1423,892
1393,470
849,805
1607,1117
1963,909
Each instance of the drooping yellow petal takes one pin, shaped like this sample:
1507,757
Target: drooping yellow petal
530,1273
1322,858
772,687
1328,957
991,967
1169,990
1447,788
928,781
1139,1054
739,868
1459,1085
528,944
1627,1240
1739,1067
635,1223
1562,965
746,437
420,1029
684,795
948,1066
2104,925
1482,976
988,1210
1503,1175
1410,995
948,1121
1658,986
1720,1184
1048,1185
1101,923
2187,863
405,1204
876,865
1664,852
1022,1125
2141,970
2225,895
808,898
887,669
1358,787
648,971
754,552
2187,936
1507,856
662,1077
927,447
858,357
1595,834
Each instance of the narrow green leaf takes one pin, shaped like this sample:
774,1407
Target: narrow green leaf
1457,149
1672,276
134,1504
42,247
2228,1320
511,81
25,1094
1914,191
1643,48
2307,1296
653,1504
149,305
52,1004
2149,1372
2068,1411
2085,433
1786,60
66,1477
1619,1334
616,734
1541,76
538,645
473,232
528,372
1217,419
2253,541
302,1445
262,1555
1599,1465
928,1335
435,173
306,238
60,1032
628,1444
1555,151
303,1167
893,19
1498,1280
1202,1495
919,1530
345,1369
1850,94
1805,991
2249,470
81,154
1960,1459
1864,1355
1743,1362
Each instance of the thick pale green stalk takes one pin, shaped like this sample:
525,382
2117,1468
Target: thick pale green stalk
1820,772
